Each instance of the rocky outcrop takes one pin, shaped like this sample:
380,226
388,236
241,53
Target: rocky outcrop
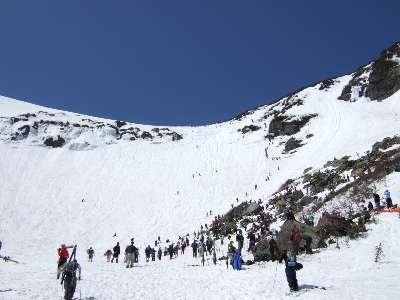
54,142
292,144
249,128
288,125
378,80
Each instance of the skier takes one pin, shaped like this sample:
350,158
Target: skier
147,251
209,245
63,255
171,251
194,247
237,260
202,249
159,253
252,241
231,251
117,251
291,266
377,200
214,255
240,239
90,253
130,255
153,254
386,196
69,278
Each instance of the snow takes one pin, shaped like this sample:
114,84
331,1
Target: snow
145,189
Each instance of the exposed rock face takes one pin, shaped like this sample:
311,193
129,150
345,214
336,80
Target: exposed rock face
379,80
292,144
244,209
249,128
54,143
326,84
287,125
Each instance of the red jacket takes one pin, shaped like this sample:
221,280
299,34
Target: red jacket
63,252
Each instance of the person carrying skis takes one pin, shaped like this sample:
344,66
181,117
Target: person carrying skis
69,278
117,251
63,256
90,253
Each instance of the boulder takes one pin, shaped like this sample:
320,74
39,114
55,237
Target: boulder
285,233
334,225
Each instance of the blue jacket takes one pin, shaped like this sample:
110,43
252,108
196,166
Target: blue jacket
237,260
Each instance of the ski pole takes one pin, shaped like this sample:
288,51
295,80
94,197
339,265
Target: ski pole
276,267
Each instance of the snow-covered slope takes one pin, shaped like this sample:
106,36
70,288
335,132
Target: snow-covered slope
66,177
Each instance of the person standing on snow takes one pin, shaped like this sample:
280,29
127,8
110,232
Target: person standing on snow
90,253
237,260
386,196
377,200
69,278
240,239
159,253
202,249
214,256
231,251
194,247
63,256
117,251
291,266
130,255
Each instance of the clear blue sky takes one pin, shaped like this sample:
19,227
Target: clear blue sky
182,62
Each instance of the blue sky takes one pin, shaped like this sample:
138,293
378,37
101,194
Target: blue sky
182,62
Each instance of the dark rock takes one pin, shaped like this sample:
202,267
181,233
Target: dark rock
146,135
243,209
176,137
283,125
326,84
24,131
249,128
120,123
292,144
55,143
383,80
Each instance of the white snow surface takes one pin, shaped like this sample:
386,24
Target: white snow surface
144,189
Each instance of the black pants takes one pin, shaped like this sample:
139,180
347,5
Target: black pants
69,287
116,259
291,278
389,202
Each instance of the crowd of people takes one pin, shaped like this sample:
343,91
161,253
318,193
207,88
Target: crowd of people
204,244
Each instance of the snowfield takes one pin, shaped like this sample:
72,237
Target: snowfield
145,188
